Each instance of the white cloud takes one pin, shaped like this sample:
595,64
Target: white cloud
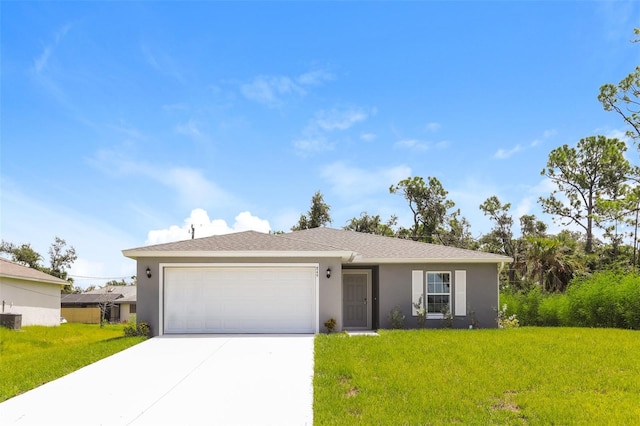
338,119
368,137
419,145
412,144
190,185
502,154
205,227
273,90
432,127
270,90
313,78
193,130
615,134
314,136
351,182
40,63
190,128
307,146
175,107
162,62
523,207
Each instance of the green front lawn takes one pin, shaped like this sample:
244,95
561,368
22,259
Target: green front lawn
508,376
35,355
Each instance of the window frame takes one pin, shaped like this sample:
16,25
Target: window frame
436,315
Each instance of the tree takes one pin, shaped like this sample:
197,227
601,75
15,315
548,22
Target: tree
532,227
549,263
61,258
624,98
105,303
428,203
317,216
500,239
595,170
121,283
457,233
22,254
372,225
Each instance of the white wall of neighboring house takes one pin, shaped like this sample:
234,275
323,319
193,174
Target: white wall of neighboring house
38,303
125,312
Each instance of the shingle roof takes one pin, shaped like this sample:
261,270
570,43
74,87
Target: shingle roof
85,298
14,270
128,292
351,246
379,248
240,241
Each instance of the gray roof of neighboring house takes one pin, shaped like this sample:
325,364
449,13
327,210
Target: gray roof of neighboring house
14,270
118,294
85,298
352,247
128,292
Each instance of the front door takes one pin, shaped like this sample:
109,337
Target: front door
356,299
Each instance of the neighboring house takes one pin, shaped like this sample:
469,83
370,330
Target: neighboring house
31,293
250,282
119,302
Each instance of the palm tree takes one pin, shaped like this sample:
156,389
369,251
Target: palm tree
548,261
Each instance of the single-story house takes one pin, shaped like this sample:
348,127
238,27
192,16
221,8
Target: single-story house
251,282
30,293
119,302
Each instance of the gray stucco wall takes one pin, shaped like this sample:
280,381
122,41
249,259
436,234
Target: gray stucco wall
394,289
330,289
482,293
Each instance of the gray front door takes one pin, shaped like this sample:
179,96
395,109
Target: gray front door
355,299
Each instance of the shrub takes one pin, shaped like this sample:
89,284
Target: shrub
524,305
330,324
605,299
421,312
553,310
132,329
396,317
504,321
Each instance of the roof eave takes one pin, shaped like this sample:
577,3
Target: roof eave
137,254
367,260
35,280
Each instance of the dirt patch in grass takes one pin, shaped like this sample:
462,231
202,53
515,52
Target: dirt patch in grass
507,403
352,392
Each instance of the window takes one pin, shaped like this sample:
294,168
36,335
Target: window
438,292
436,288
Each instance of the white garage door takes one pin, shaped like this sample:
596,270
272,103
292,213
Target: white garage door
240,299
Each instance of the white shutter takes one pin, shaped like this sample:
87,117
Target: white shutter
460,293
417,289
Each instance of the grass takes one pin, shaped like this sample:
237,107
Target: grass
35,355
515,376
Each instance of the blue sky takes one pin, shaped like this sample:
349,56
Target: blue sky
125,122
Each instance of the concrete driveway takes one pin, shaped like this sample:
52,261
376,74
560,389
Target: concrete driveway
181,380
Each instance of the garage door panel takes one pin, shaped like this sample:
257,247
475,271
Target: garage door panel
262,299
